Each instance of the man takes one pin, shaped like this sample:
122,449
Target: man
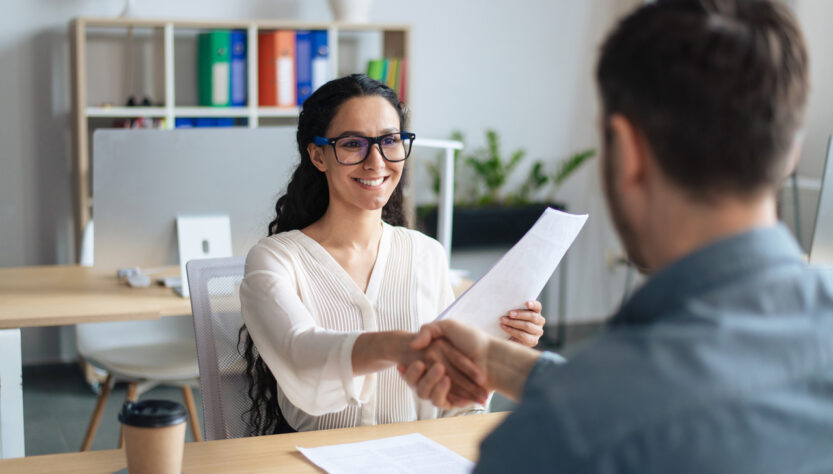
723,360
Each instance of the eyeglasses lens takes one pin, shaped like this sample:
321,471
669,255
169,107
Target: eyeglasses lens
351,150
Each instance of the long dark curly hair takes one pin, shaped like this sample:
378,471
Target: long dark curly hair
305,201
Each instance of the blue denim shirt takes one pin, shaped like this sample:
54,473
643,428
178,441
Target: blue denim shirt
722,362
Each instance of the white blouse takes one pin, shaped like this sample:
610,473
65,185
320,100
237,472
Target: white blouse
304,313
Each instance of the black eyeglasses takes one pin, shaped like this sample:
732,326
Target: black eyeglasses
354,149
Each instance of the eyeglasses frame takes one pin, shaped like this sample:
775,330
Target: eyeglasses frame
323,141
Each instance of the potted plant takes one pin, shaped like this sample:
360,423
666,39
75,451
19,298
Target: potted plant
485,213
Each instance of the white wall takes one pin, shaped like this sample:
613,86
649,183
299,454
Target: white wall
522,67
816,19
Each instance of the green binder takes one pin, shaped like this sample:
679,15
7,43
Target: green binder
214,68
375,69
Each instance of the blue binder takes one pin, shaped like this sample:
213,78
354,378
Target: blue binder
184,122
238,80
205,122
320,59
303,63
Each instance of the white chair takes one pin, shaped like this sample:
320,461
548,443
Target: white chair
215,302
143,353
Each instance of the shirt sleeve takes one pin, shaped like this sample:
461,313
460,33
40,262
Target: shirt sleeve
312,365
528,440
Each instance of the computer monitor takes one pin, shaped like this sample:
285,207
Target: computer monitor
144,179
821,247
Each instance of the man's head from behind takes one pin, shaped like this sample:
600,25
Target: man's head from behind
706,96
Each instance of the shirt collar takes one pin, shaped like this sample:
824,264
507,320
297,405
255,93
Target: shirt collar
716,263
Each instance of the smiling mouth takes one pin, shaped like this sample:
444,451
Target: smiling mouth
371,182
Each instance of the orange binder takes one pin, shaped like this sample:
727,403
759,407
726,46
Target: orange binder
276,69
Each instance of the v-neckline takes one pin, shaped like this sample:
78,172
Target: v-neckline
325,258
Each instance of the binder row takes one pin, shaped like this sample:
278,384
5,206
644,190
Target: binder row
391,71
290,64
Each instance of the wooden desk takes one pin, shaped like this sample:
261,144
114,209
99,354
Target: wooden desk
72,294
55,296
275,453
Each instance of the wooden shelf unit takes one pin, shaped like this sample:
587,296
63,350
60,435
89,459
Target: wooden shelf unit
394,43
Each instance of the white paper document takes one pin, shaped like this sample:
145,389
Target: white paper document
520,275
407,454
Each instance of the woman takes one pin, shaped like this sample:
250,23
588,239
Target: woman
332,298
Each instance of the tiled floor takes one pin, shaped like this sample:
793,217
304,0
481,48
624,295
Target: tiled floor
58,403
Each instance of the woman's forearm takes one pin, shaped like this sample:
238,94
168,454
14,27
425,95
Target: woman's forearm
375,351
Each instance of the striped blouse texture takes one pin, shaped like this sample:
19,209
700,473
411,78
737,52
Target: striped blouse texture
304,313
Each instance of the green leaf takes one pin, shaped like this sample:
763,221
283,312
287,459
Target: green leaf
490,171
570,165
537,176
494,145
516,158
534,181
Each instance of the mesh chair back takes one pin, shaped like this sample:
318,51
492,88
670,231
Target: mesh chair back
215,302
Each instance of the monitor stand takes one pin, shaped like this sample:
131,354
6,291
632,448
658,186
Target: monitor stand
201,237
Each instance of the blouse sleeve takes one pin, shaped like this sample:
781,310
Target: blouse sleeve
312,365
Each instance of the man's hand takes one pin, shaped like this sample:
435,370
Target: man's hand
455,373
450,372
470,349
503,365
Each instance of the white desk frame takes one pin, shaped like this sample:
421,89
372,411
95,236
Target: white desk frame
11,395
445,208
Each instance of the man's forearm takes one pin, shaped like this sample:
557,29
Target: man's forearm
508,365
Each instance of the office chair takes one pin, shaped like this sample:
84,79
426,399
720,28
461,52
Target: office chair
214,285
143,353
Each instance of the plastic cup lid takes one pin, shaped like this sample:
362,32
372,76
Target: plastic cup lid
152,413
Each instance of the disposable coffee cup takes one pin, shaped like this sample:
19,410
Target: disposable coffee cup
154,435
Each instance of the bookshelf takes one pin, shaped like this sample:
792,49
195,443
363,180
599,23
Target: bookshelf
113,58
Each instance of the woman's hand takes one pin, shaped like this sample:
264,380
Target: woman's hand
506,365
432,381
525,326
375,351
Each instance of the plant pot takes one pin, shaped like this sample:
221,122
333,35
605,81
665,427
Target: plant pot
485,227
351,11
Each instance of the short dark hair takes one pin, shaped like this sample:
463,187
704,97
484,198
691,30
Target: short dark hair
717,88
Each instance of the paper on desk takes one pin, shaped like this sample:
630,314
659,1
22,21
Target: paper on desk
412,453
520,275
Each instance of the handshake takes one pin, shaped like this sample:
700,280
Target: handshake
456,365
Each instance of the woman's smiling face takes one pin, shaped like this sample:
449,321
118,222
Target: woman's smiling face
369,184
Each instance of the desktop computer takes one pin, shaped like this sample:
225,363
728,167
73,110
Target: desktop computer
144,179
